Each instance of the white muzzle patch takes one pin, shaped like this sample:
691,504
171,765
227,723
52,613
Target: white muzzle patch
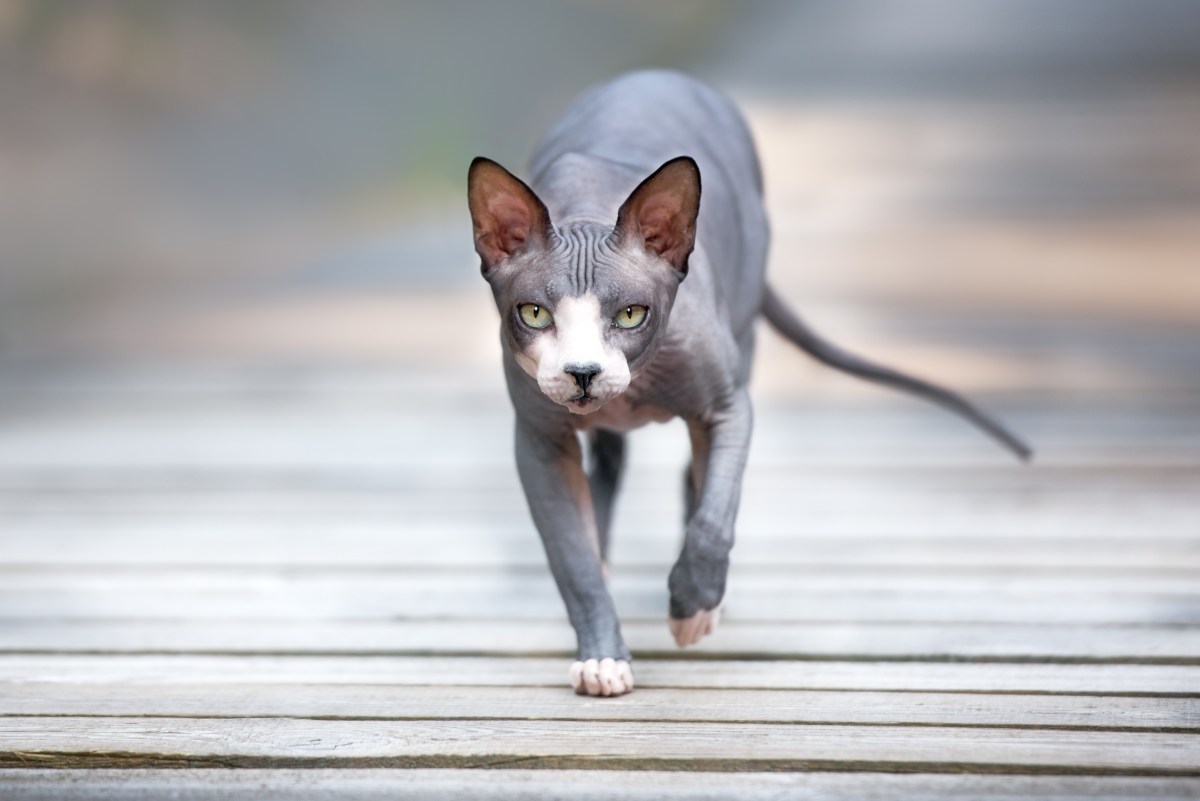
576,339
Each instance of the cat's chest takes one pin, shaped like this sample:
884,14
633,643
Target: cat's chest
624,414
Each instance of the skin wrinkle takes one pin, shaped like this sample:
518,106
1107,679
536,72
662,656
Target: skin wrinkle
620,174
689,358
610,279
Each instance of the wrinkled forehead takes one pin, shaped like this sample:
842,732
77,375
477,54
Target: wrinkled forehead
584,260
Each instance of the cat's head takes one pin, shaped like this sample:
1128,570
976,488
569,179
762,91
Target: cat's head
584,305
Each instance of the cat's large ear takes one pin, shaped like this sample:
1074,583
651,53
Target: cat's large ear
661,212
507,216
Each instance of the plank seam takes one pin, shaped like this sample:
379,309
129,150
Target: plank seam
1165,694
1187,730
129,759
695,656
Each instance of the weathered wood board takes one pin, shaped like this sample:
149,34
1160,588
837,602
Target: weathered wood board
353,628
1162,681
450,742
322,784
390,702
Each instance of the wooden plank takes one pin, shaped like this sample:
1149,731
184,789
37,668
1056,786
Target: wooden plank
553,785
1095,493
748,579
1100,485
1103,483
825,507
1100,500
647,606
141,416
366,425
1162,680
262,742
1170,473
920,642
389,702
1072,521
363,429
352,542
184,594
760,519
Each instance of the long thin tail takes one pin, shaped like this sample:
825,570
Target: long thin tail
787,323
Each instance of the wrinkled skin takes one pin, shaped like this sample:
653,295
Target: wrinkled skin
611,224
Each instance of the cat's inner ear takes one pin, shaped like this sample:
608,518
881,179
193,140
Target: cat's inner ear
661,212
506,214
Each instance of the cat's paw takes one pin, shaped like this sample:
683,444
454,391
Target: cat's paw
605,677
690,630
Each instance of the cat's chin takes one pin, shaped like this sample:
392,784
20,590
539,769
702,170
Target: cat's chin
583,406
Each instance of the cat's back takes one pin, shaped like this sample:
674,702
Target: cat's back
642,119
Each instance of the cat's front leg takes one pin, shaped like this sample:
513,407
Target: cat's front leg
556,486
720,446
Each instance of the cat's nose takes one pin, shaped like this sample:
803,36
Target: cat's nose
582,373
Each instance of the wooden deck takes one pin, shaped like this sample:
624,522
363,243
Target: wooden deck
312,585
260,533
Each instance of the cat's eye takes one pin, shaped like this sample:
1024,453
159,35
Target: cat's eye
534,316
630,317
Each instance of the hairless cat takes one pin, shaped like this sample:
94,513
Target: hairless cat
626,300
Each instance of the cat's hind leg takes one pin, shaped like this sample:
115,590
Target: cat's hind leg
606,461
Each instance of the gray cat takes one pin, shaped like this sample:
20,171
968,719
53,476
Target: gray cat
625,300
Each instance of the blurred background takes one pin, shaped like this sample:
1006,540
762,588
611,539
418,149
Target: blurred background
283,181
1000,194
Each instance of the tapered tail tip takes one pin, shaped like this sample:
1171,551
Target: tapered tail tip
1023,452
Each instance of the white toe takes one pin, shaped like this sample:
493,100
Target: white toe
591,676
626,673
602,677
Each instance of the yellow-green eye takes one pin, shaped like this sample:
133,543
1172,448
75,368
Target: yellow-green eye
630,317
534,316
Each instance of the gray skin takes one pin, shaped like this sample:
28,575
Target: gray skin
586,226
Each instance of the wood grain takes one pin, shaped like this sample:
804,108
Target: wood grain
918,641
258,742
260,593
351,543
386,702
317,784
972,677
950,622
